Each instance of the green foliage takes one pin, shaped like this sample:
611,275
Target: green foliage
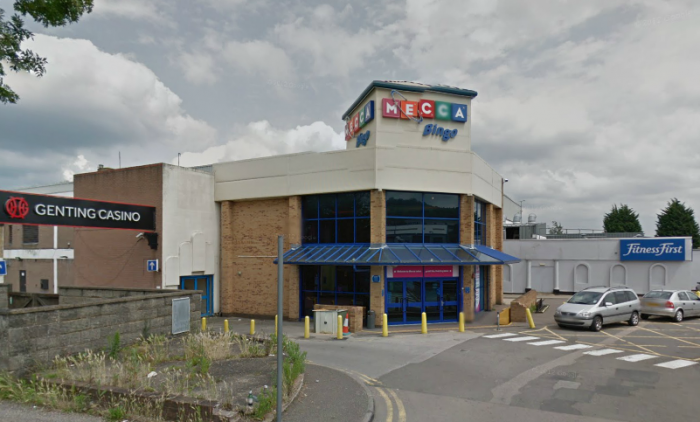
622,220
13,33
678,220
116,414
556,228
266,403
114,346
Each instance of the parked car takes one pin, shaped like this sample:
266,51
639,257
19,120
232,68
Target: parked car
676,304
595,306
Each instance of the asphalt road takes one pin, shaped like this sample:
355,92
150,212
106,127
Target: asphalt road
16,412
637,374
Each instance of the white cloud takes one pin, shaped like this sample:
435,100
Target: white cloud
154,11
80,165
259,57
261,139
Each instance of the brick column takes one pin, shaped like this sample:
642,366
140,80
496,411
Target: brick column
498,244
291,272
466,237
377,235
5,290
227,258
468,298
490,241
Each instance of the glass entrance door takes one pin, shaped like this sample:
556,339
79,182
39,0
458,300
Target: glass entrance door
205,285
404,301
441,300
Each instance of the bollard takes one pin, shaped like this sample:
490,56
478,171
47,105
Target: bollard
385,326
226,326
529,318
498,320
204,324
424,323
252,327
461,322
306,327
275,325
340,328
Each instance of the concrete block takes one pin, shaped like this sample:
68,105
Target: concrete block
75,325
22,320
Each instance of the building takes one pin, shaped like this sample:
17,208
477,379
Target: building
570,265
39,258
182,251
407,219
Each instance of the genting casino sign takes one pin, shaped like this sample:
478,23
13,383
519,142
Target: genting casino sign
24,208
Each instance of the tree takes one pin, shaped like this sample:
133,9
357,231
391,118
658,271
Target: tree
678,220
622,220
556,228
12,34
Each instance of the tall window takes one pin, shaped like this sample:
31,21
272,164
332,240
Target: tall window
479,222
336,218
414,217
9,234
330,285
30,234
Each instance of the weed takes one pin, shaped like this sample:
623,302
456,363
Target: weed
116,414
114,346
266,402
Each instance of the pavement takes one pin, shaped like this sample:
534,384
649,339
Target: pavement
17,412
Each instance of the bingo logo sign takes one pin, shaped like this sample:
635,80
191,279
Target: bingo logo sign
358,121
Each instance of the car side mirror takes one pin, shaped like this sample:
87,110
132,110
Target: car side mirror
608,304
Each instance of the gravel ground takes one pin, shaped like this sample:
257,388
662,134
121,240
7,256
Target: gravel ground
16,412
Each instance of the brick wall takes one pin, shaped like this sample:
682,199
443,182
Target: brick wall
36,270
116,257
377,235
518,306
466,237
34,336
490,241
498,244
249,231
355,315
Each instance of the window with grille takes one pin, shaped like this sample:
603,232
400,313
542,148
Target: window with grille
30,234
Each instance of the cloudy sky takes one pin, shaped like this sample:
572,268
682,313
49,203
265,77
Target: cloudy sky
581,104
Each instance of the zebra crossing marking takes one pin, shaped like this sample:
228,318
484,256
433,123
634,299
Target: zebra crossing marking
547,342
574,347
602,352
675,364
527,338
637,358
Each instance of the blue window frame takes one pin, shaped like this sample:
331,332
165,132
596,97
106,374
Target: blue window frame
336,218
332,285
205,284
479,222
417,217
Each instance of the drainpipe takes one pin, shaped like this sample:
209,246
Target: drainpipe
556,277
55,260
529,276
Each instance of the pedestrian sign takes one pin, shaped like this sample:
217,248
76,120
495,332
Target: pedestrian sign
3,268
152,265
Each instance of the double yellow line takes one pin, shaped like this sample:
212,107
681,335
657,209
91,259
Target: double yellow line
387,394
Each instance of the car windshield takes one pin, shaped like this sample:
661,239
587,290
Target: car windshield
585,298
658,294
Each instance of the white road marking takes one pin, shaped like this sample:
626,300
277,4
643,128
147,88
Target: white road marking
528,338
574,347
546,342
637,358
500,335
602,352
675,364
566,384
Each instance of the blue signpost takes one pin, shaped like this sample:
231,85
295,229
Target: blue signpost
3,268
152,265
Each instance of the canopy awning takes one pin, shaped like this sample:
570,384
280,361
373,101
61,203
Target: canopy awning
396,254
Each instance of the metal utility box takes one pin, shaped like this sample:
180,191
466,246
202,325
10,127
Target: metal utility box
326,321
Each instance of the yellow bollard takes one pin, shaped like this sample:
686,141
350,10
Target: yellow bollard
461,322
306,327
423,323
275,325
529,318
252,327
204,324
340,327
226,326
385,326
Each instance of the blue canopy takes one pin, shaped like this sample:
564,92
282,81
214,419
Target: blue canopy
396,254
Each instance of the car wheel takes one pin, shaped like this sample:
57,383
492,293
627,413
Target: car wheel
678,316
645,317
634,319
597,324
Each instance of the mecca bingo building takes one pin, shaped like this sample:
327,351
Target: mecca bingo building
406,219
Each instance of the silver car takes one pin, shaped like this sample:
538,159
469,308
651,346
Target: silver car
596,306
676,304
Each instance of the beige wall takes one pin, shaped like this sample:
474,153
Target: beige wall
36,270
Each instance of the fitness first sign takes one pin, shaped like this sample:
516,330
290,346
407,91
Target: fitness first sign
657,249
44,210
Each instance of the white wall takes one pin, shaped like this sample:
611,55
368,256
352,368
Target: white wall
574,264
190,240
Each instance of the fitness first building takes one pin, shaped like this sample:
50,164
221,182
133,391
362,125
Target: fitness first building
407,219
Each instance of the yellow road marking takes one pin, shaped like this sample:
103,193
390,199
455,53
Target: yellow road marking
553,333
671,337
637,351
389,406
629,342
399,403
